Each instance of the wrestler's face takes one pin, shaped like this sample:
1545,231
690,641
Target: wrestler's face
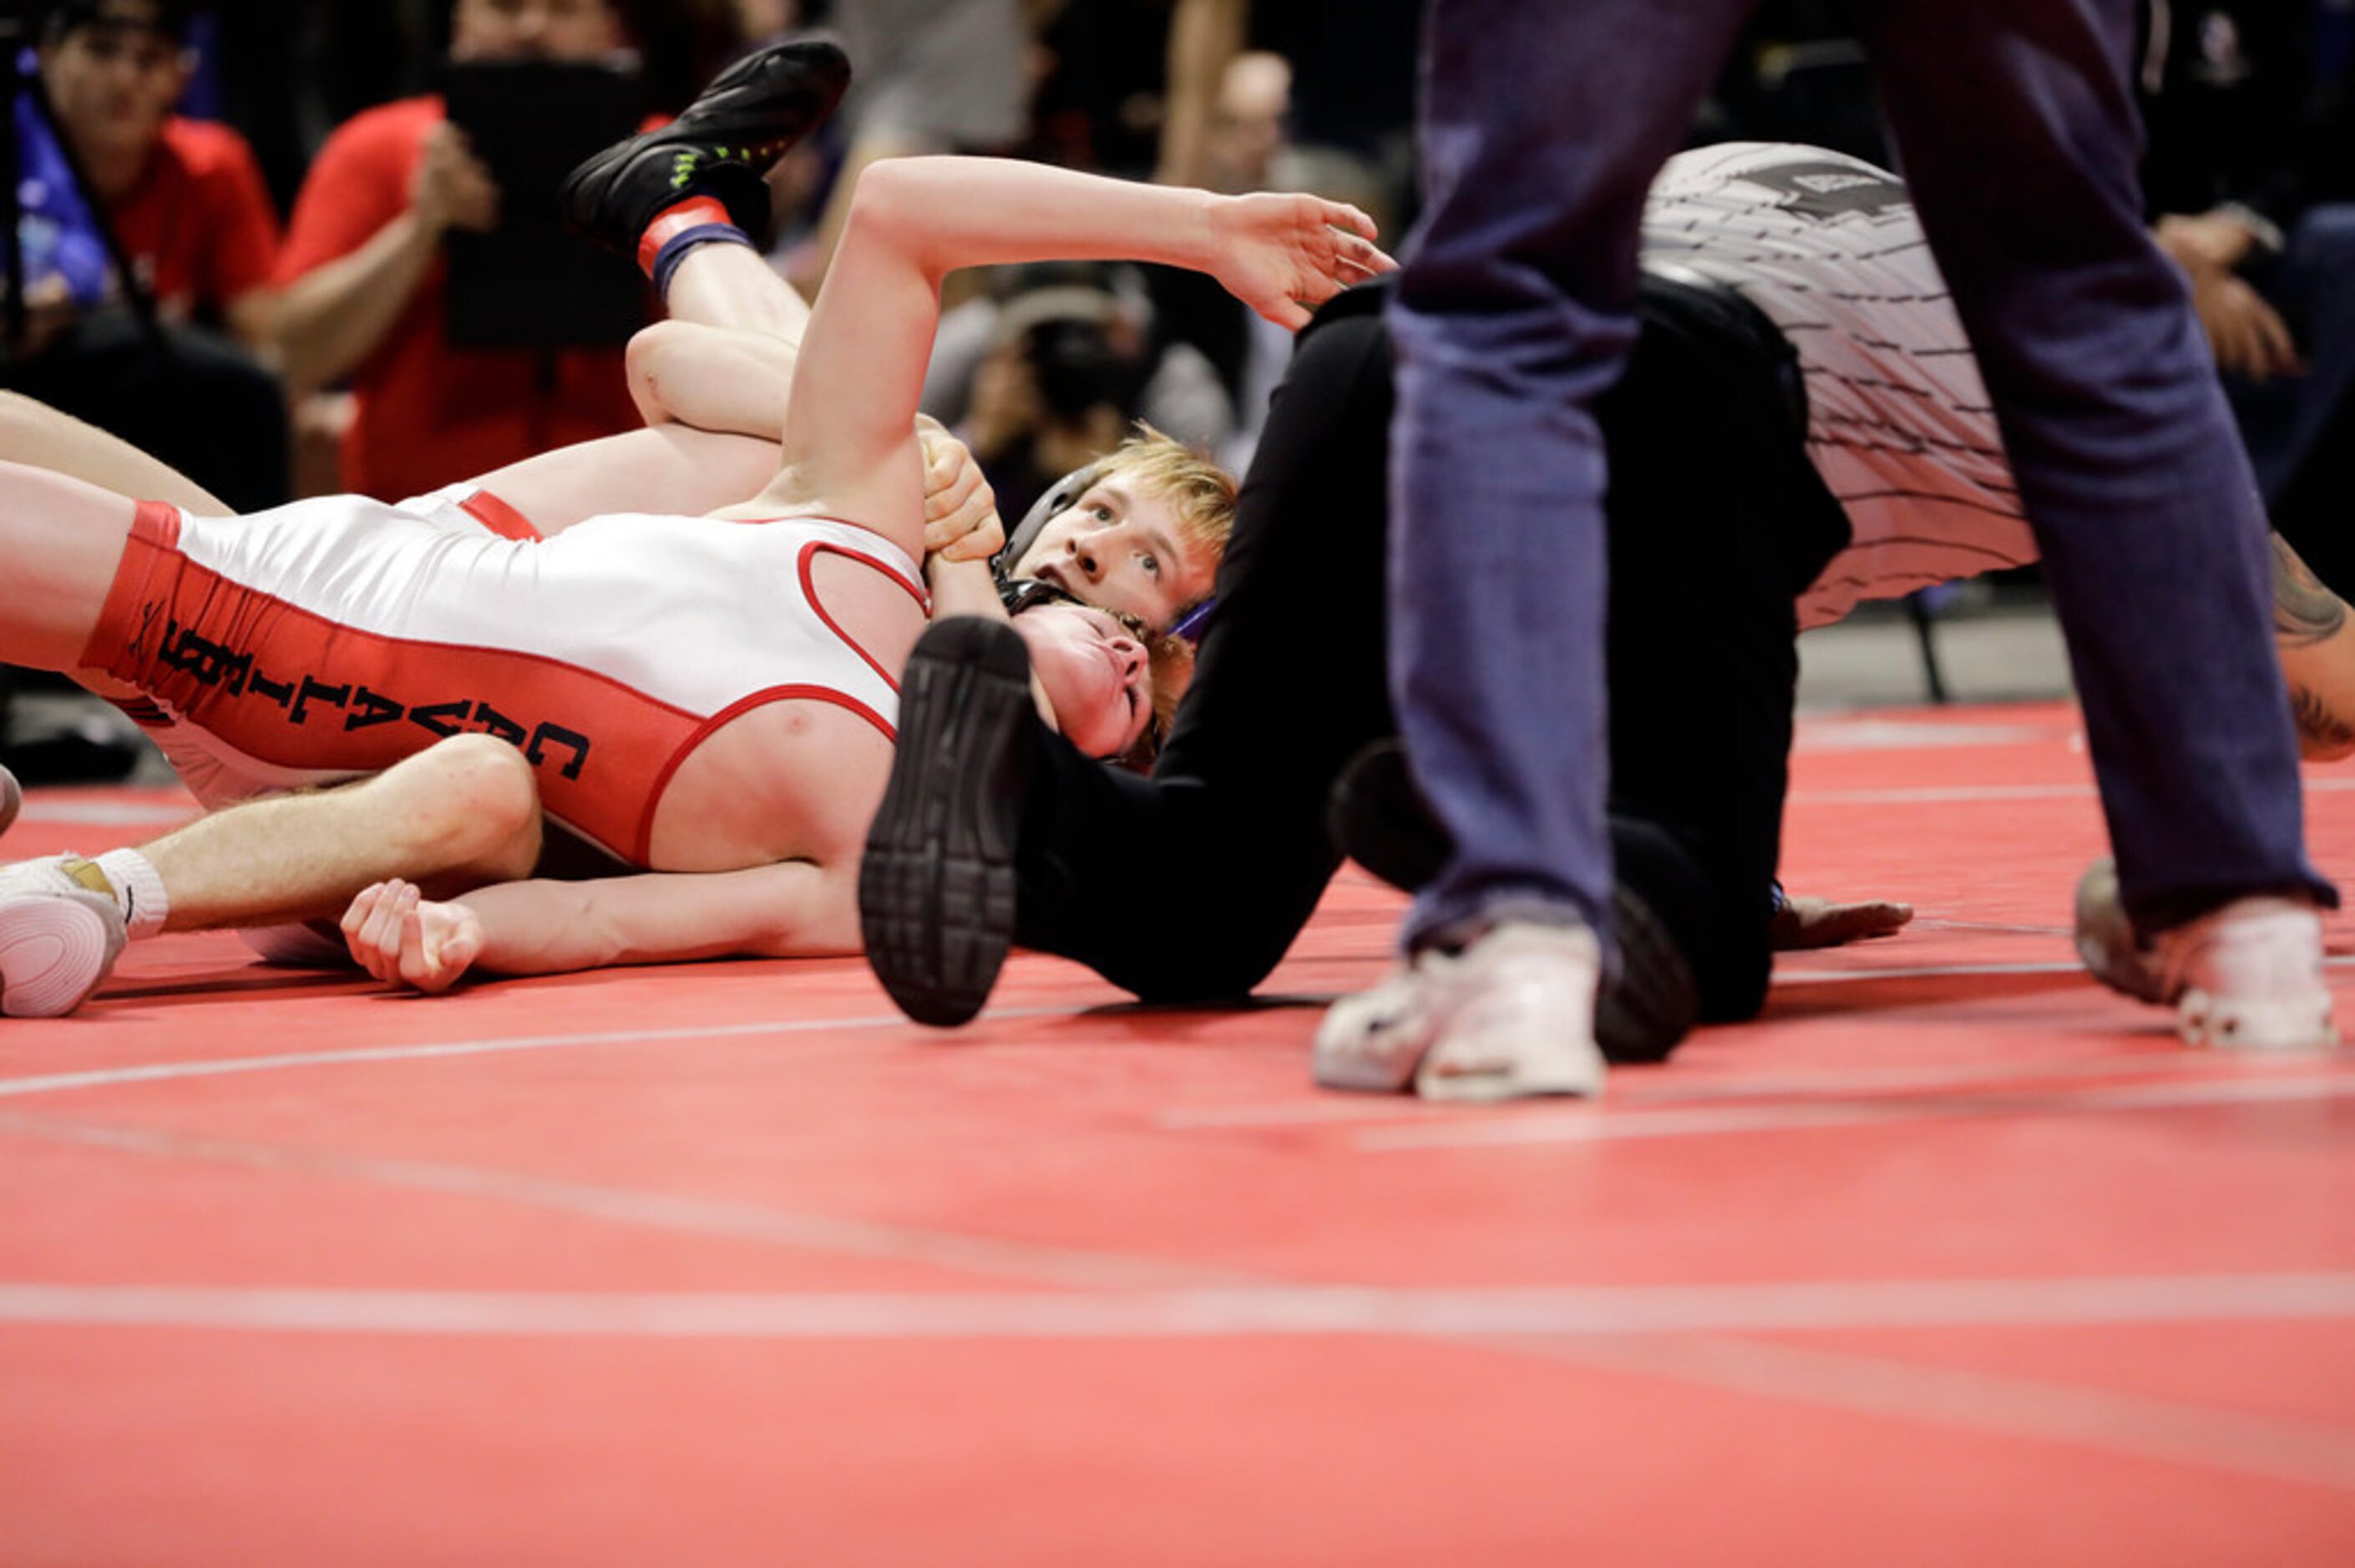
534,29
1122,549
1097,676
113,80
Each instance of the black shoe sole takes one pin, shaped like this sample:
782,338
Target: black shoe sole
729,136
936,884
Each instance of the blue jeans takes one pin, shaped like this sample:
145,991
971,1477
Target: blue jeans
1543,123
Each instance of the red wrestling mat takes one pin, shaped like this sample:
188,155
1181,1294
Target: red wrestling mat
1952,1258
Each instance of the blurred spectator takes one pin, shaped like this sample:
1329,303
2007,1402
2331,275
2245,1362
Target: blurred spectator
682,44
1047,371
1326,105
1349,132
1099,98
1247,140
1053,397
929,75
186,204
2250,173
366,282
759,20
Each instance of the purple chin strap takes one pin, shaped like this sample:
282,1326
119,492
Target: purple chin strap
1190,625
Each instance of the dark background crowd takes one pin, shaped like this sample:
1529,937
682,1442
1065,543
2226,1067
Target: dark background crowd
269,240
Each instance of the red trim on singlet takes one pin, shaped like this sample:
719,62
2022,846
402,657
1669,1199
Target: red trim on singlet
155,533
642,848
158,521
500,518
806,564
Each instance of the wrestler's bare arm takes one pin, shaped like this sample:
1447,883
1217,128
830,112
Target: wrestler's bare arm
915,219
794,909
713,383
968,588
2317,648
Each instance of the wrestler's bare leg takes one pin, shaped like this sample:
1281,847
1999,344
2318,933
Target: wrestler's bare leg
712,383
724,360
468,807
61,540
669,470
733,286
460,814
37,435
41,437
717,372
454,818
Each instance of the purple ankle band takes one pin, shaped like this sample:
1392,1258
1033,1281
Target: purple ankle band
675,249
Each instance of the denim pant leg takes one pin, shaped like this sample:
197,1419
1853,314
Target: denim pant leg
2017,130
1543,123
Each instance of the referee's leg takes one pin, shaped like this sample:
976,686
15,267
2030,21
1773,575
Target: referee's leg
2017,129
1543,123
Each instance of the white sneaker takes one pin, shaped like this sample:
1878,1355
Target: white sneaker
1511,1016
60,932
12,799
2248,974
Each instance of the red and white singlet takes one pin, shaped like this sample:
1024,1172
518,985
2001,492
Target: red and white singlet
332,637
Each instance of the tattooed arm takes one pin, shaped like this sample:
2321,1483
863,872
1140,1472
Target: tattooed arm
2316,647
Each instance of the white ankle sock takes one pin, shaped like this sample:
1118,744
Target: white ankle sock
138,890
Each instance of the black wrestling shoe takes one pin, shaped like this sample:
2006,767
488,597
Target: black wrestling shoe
936,885
1645,1010
720,146
1377,818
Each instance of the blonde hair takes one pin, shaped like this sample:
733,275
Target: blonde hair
1200,491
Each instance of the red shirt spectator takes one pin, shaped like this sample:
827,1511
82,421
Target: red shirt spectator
197,223
188,203
430,414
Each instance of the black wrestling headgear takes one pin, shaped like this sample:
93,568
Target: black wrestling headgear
1061,497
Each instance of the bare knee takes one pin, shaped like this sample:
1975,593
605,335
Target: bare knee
469,802
651,358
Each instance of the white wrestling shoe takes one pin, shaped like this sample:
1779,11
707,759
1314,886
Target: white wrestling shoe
2247,975
60,932
1509,1017
12,799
